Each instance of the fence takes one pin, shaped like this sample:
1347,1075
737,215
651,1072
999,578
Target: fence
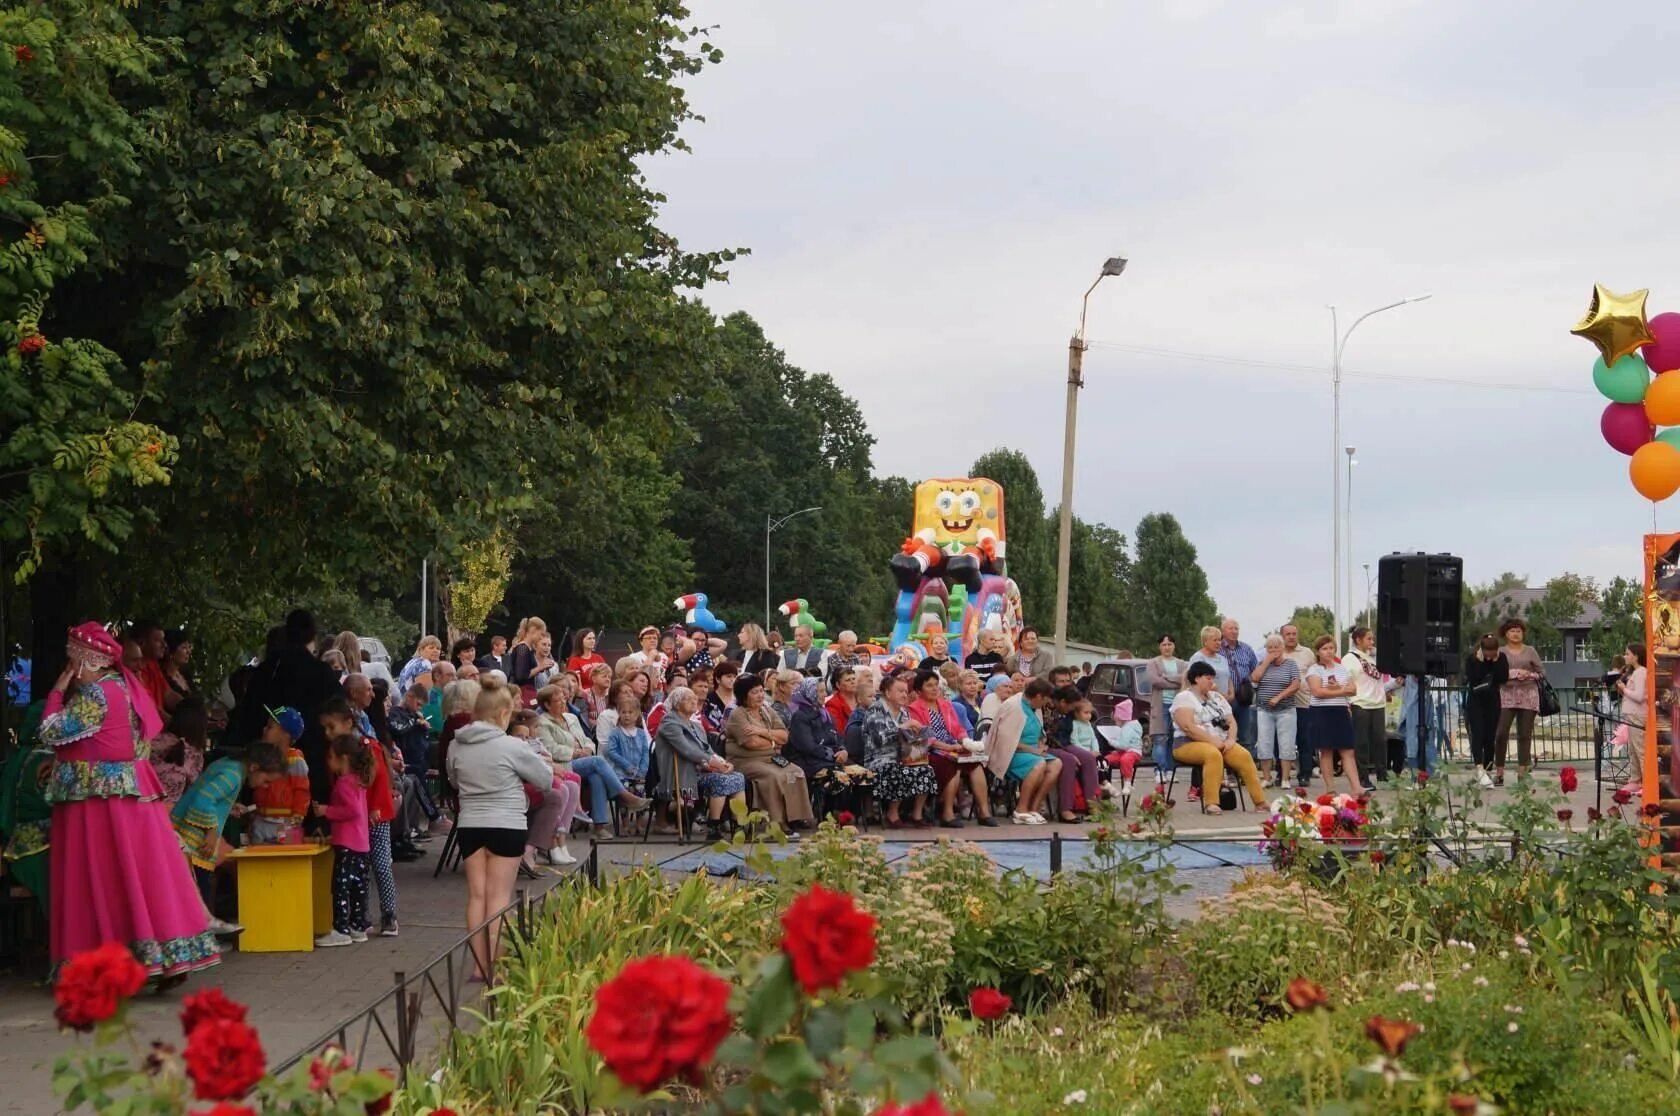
1574,735
394,1018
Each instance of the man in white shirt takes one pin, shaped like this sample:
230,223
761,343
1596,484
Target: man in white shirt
650,657
810,661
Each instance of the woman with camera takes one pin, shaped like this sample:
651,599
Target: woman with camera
1205,735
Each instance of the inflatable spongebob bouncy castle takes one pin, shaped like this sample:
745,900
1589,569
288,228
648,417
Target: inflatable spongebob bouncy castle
950,571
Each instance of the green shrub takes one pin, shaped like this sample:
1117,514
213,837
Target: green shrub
1246,947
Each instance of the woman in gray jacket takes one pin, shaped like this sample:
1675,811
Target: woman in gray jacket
680,746
489,770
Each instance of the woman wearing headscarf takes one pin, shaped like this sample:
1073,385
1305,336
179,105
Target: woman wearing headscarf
117,873
680,746
756,737
812,742
895,750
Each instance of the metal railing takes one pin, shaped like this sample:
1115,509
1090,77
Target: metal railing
1576,734
393,1019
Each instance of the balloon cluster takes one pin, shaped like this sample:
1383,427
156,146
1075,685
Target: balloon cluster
1632,348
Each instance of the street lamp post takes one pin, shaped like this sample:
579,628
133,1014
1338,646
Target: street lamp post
1370,608
1114,265
770,529
1347,511
1338,344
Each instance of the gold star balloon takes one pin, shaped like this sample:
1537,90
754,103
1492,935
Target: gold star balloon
1615,322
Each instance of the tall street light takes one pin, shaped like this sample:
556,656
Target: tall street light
770,529
1338,344
1348,512
1114,265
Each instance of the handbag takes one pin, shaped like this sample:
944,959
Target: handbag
1550,706
1227,797
1245,692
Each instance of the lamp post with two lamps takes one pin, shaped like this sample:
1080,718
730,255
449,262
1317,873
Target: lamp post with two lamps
1338,344
770,529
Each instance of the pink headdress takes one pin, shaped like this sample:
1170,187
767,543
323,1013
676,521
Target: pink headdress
93,647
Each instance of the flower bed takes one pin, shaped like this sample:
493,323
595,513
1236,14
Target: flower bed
1527,982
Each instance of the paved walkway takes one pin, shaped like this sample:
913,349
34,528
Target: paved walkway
294,998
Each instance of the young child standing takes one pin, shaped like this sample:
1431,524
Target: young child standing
628,745
351,763
1128,744
203,811
338,719
284,803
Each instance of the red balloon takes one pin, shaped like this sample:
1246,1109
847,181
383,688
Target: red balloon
1663,354
1625,427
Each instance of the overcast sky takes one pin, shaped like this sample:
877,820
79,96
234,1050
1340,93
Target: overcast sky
927,189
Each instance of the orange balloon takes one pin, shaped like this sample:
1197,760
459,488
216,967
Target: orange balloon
1662,402
1655,470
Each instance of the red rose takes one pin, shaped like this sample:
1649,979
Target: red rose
1462,1105
1100,833
1567,780
1147,803
202,1007
323,1068
1300,792
988,1003
1134,827
32,344
223,1108
1423,778
1565,815
844,818
1593,815
93,984
826,937
1377,856
928,1106
1651,809
1622,796
442,1112
224,1059
1326,800
660,1017
24,54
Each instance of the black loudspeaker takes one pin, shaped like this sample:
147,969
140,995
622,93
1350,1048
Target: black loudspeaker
1418,604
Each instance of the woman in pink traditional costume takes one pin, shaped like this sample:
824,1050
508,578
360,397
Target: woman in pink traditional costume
117,869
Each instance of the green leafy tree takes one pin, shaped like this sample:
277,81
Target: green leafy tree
1566,597
1031,556
72,452
1099,584
403,263
1621,618
1169,588
1312,621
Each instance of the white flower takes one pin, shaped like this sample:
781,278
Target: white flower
1452,943
1511,1026
1504,954
1466,966
1429,997
1056,1032
1471,946
1429,986
1075,1097
1406,986
1480,982
1513,1009
1255,1079
1520,942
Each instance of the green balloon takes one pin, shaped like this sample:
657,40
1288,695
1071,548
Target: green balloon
1671,436
1623,382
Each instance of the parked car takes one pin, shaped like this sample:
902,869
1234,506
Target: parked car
1115,680
375,648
